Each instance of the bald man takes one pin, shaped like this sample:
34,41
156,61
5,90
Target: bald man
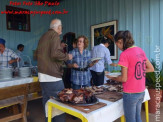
50,58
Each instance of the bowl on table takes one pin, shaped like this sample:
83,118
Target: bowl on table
24,71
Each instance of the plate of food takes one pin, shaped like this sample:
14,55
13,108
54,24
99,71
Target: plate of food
80,97
95,59
96,89
113,82
115,88
114,74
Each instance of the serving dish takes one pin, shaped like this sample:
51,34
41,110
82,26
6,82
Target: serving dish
95,101
95,59
79,97
115,74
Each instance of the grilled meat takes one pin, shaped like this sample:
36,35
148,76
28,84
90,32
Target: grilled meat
76,96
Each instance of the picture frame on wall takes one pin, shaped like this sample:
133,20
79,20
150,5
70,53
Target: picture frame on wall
108,29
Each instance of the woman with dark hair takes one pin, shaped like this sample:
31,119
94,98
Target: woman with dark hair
134,65
67,70
74,43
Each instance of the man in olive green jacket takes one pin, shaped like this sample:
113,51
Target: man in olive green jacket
50,57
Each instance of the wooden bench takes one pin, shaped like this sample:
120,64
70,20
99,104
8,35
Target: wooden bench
13,92
19,95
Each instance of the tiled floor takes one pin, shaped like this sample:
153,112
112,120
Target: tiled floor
36,113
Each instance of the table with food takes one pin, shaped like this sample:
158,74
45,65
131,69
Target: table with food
96,103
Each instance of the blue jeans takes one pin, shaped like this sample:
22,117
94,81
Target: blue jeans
51,89
132,103
74,86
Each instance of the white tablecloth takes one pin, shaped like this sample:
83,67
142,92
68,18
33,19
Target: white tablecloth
15,81
109,113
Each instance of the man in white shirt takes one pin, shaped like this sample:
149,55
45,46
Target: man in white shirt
101,51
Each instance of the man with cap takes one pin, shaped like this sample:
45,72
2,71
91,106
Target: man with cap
7,56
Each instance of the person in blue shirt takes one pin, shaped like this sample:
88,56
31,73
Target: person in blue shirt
103,52
20,48
80,73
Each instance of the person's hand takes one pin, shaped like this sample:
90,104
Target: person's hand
75,65
109,77
63,45
14,60
70,56
11,61
115,65
93,63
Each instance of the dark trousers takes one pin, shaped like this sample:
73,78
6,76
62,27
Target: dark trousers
51,89
67,77
97,77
